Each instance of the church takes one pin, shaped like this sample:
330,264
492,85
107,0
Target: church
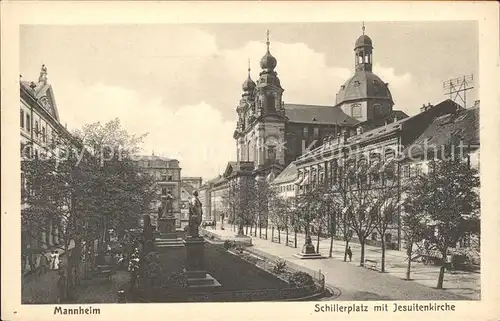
270,134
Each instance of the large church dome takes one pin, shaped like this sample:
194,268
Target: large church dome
363,85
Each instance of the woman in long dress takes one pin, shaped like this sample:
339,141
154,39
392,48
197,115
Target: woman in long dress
56,260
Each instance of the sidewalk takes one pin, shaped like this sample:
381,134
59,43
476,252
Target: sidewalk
42,289
463,284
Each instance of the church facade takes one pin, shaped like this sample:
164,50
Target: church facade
270,134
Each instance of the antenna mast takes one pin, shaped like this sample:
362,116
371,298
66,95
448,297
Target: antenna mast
456,89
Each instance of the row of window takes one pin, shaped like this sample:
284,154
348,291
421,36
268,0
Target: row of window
286,188
38,131
315,132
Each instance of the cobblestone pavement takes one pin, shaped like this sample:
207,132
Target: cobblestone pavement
357,282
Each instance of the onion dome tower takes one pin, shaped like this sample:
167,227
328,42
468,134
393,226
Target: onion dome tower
269,92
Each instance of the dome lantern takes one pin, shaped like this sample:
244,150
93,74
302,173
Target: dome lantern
363,52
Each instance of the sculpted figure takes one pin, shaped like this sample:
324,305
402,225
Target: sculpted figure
195,215
167,207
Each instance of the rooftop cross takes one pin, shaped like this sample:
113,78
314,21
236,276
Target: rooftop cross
363,27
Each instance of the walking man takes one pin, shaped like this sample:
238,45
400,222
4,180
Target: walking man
349,253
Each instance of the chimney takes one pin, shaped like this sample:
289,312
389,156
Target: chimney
423,108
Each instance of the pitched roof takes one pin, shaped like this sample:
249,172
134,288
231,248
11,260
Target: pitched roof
38,91
287,175
317,114
461,126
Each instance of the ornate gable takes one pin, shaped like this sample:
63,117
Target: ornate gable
46,98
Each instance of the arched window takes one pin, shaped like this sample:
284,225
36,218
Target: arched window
271,154
377,110
356,111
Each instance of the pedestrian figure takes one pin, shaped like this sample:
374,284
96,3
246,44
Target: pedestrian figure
52,260
61,287
215,224
44,264
56,260
133,268
349,253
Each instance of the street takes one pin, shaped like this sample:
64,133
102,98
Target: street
357,283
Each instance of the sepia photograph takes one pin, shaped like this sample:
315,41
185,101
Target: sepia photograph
192,163
329,162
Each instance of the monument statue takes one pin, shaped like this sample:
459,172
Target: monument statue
167,207
195,215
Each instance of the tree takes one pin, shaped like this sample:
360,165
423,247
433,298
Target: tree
83,187
414,225
343,221
54,200
309,207
280,214
361,213
388,197
121,189
238,201
447,196
263,195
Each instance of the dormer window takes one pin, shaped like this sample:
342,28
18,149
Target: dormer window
342,87
356,83
375,82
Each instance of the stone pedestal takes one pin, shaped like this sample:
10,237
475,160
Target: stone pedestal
168,235
195,273
308,251
166,225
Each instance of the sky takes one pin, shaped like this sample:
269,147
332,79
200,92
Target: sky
181,83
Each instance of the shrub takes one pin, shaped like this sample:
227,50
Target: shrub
176,281
301,279
279,266
151,257
228,244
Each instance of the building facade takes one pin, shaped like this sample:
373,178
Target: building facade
270,134
40,130
167,174
385,157
195,182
